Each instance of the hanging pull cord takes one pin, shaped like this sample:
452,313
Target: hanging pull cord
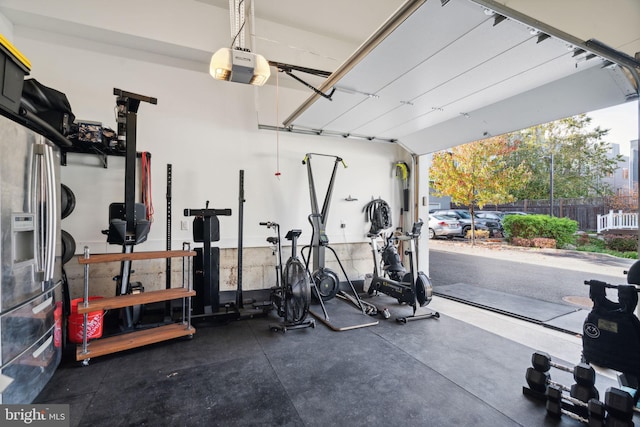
146,185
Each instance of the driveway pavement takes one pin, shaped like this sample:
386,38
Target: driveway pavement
586,262
560,344
550,275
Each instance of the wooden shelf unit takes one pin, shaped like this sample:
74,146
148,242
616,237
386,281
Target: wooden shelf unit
113,344
135,299
139,338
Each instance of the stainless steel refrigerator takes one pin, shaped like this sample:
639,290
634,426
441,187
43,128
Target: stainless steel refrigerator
30,255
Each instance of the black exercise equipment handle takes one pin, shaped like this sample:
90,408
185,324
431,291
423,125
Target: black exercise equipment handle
130,95
269,224
308,156
207,212
604,284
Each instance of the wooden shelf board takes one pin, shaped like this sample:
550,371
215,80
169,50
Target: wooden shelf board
134,299
132,256
114,344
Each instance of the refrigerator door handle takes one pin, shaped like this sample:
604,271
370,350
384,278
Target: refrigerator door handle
51,214
39,185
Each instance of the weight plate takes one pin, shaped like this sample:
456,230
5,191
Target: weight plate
424,290
68,247
327,282
68,201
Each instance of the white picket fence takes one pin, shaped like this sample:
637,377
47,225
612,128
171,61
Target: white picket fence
617,221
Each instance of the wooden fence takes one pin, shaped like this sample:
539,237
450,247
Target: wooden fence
585,211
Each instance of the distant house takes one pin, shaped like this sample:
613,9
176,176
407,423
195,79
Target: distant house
625,178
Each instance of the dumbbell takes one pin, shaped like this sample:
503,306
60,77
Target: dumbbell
594,409
620,407
538,382
583,373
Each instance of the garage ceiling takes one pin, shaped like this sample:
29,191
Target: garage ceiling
442,73
437,74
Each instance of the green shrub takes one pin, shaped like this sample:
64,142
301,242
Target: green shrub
621,243
532,226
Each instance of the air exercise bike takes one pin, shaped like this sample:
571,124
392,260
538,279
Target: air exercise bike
292,293
411,288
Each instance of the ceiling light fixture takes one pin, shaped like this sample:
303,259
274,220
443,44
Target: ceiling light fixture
237,63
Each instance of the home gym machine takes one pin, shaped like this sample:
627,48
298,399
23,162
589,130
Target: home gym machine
292,293
326,280
128,223
410,288
206,264
208,304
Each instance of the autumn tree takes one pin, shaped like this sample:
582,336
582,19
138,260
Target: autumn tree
580,159
625,200
479,173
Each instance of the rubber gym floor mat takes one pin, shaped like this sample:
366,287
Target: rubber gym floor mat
482,363
529,309
342,316
427,373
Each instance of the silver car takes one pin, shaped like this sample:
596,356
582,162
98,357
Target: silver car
445,226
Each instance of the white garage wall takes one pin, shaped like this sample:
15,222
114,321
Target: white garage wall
208,131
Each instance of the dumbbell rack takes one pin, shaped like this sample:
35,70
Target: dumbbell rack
116,343
582,404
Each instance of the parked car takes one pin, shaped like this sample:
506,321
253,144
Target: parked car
464,217
493,215
445,226
515,213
